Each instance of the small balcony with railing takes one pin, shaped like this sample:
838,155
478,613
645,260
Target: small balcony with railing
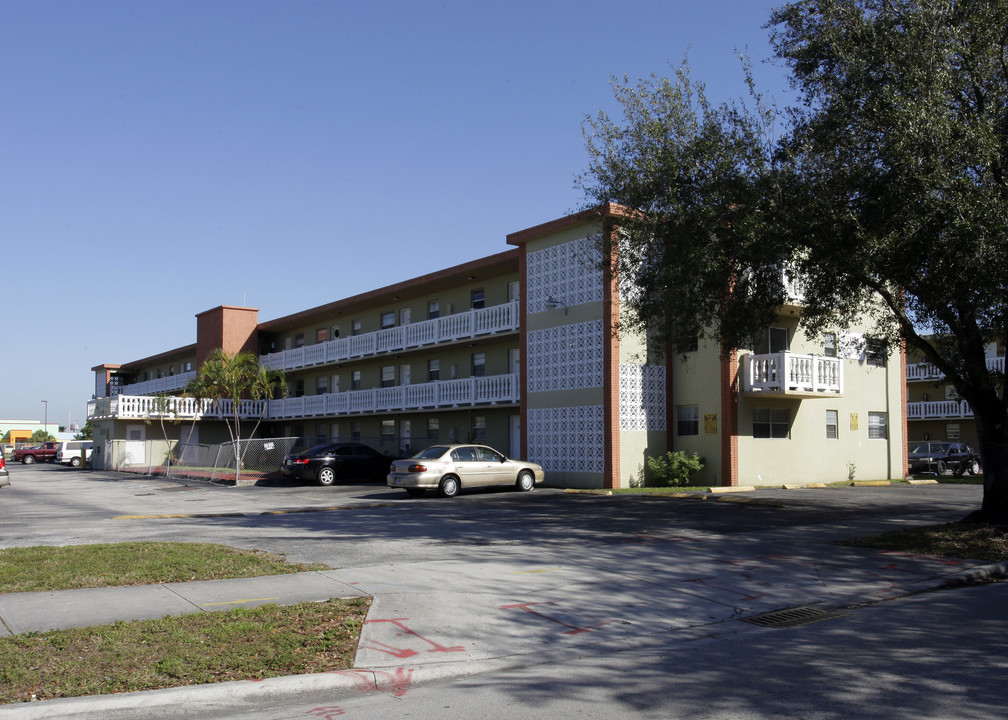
459,327
787,374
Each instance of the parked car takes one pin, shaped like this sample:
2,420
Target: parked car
325,464
4,472
36,453
450,468
939,457
69,452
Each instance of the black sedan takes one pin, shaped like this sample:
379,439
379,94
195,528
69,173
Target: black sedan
938,457
325,464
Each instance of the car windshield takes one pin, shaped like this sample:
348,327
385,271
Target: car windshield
431,453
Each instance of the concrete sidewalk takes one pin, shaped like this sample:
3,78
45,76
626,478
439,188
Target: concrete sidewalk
449,619
42,611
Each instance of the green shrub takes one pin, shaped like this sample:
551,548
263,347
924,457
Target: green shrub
674,469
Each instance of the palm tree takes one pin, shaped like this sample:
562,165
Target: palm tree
233,378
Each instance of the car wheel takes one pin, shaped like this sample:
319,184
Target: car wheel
449,486
973,468
525,481
416,492
326,476
940,468
75,462
27,459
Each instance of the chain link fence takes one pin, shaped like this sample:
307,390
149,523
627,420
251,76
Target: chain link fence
258,459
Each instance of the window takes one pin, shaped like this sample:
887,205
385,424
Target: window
771,422
321,385
433,310
875,352
688,420
355,380
321,335
299,340
687,344
388,428
355,327
514,291
188,367
478,299
478,364
433,428
832,424
388,376
479,428
299,388
878,426
770,341
387,320
355,431
830,344
433,370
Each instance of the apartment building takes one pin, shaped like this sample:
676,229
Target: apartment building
934,410
521,350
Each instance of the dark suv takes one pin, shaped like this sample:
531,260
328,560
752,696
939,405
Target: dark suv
939,457
325,464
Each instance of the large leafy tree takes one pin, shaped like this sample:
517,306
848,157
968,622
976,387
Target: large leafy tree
886,189
227,380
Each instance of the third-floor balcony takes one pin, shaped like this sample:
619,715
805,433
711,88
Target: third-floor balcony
928,372
448,329
793,375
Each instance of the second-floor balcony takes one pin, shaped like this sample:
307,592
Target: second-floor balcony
451,328
441,394
939,410
791,374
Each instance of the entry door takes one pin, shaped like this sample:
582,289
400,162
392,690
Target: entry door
515,447
136,445
404,374
405,432
190,444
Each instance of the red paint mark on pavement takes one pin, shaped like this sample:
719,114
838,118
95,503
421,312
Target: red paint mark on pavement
403,653
326,713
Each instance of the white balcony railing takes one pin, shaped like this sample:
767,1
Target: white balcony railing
786,372
146,407
452,328
927,371
939,410
492,390
167,384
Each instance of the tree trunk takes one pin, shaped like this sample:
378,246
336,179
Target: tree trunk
992,430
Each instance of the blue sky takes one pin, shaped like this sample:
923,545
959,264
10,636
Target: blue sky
161,159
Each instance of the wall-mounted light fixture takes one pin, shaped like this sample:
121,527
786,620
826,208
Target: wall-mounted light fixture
553,304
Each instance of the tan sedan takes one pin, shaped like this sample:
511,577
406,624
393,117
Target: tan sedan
449,468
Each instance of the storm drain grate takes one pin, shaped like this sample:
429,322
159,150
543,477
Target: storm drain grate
792,617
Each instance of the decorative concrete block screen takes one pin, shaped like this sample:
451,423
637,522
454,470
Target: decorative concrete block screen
642,397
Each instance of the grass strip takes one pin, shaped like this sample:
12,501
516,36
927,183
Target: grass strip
242,644
45,568
975,541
